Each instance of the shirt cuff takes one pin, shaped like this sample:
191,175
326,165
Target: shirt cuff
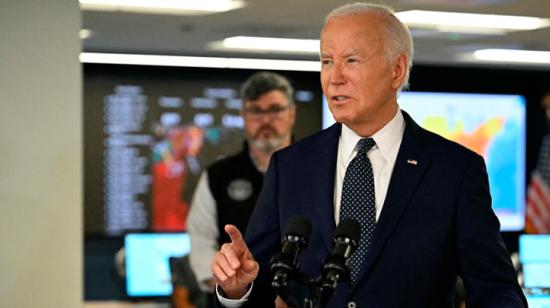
233,303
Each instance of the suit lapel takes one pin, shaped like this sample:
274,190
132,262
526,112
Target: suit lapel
410,166
323,164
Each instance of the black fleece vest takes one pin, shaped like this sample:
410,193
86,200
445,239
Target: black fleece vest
235,184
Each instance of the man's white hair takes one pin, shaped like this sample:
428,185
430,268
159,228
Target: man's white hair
397,37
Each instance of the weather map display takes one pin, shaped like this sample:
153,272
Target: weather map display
492,125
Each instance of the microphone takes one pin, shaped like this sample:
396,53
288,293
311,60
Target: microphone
285,264
335,268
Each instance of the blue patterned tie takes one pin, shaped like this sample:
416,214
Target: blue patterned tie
358,202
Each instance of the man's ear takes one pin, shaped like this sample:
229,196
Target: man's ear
400,68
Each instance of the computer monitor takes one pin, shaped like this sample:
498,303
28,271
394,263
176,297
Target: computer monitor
538,301
489,124
147,262
534,255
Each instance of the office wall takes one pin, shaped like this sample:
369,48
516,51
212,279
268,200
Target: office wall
40,154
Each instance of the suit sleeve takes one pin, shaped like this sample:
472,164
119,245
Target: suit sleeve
483,261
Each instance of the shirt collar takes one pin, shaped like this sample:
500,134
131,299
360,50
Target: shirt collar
387,139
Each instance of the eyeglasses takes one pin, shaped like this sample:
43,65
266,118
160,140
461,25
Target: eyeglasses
273,111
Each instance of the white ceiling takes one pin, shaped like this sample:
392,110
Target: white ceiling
189,35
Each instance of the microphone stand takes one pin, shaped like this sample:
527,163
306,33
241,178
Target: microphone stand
313,297
320,291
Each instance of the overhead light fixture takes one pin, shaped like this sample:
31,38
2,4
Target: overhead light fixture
85,33
214,62
513,55
470,23
171,7
268,44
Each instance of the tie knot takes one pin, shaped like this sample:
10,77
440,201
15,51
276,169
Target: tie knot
365,144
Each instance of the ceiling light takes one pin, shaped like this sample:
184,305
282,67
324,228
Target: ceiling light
172,7
162,60
85,33
270,44
466,22
513,55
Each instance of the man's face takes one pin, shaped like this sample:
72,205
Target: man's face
358,79
268,121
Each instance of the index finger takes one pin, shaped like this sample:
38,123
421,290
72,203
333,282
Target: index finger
236,237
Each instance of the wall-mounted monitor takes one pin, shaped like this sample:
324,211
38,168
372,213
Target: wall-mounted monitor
492,125
147,262
149,132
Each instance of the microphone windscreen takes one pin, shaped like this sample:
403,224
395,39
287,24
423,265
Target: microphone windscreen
348,228
299,226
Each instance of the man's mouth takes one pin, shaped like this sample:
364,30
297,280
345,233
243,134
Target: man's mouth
339,98
265,132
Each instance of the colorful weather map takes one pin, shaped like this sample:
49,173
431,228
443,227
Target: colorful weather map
489,124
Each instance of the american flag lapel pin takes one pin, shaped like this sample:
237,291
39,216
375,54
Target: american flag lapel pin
412,162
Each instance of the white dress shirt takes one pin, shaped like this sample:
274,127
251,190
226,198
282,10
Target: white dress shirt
382,158
203,230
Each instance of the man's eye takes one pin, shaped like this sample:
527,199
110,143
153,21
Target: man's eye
275,109
353,60
326,62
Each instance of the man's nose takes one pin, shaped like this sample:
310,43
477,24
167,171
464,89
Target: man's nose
265,117
337,74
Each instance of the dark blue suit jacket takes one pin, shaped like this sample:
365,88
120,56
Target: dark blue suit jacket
436,222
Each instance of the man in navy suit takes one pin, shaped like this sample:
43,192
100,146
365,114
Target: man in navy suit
431,211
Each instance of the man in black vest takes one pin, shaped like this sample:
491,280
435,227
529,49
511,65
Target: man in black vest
226,193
